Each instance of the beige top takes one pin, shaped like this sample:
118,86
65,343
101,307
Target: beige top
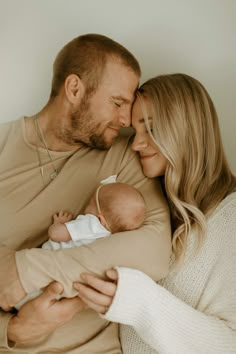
27,206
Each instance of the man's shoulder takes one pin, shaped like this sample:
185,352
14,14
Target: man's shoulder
8,130
5,127
122,148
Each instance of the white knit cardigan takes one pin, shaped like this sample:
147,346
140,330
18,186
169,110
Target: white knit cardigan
193,311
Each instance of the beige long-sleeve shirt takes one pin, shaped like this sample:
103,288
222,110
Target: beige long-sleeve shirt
27,206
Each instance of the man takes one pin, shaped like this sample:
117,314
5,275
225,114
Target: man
47,163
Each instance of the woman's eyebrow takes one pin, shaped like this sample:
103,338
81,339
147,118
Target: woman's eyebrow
141,120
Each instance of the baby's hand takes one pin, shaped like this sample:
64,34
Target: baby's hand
58,231
62,217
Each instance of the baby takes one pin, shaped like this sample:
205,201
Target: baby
114,207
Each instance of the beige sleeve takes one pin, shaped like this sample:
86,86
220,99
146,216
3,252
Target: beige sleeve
147,249
4,319
11,290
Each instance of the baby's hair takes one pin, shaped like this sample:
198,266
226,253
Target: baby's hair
122,206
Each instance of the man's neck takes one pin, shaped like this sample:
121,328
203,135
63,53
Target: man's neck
43,130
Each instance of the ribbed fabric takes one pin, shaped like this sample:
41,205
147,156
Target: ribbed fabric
193,311
4,319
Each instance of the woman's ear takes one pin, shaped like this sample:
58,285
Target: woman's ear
74,89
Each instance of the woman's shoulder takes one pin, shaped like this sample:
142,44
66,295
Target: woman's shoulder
227,203
225,212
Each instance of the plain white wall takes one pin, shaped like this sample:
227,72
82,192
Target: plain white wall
192,36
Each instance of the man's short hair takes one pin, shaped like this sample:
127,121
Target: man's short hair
86,56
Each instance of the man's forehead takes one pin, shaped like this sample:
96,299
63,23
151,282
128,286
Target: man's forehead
116,68
121,81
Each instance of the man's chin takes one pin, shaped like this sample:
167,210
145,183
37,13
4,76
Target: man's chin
101,143
110,142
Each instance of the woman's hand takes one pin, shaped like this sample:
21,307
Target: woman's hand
97,293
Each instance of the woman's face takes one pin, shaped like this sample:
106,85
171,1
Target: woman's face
153,161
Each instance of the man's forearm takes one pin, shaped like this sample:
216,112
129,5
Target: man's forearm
143,250
147,249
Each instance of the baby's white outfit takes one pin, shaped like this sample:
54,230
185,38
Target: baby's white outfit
83,230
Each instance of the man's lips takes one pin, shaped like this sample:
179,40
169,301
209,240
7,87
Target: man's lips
114,131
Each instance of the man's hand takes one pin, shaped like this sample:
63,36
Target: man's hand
11,290
42,315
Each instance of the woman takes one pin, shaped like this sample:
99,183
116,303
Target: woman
193,310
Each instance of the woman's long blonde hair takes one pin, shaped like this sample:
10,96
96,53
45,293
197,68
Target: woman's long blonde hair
186,130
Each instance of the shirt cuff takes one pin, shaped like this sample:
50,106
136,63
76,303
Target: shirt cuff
4,320
128,303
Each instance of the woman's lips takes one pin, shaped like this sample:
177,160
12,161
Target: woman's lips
147,156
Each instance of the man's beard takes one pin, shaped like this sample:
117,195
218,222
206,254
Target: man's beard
83,129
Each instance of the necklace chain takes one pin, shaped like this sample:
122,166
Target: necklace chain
42,138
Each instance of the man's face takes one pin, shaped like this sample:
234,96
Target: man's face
97,121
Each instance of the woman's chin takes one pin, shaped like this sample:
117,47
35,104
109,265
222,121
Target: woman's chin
148,174
152,174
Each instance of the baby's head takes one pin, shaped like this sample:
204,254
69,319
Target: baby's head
119,206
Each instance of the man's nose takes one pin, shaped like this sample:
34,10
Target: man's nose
125,117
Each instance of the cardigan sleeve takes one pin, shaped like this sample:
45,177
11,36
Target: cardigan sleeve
166,323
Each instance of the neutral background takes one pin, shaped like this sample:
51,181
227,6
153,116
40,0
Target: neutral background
197,37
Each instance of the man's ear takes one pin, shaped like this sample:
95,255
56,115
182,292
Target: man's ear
74,88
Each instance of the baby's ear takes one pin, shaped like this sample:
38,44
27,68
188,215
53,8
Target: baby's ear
102,220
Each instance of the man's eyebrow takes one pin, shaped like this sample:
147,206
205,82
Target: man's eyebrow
121,98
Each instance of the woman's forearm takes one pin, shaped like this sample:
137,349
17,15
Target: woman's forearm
165,322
